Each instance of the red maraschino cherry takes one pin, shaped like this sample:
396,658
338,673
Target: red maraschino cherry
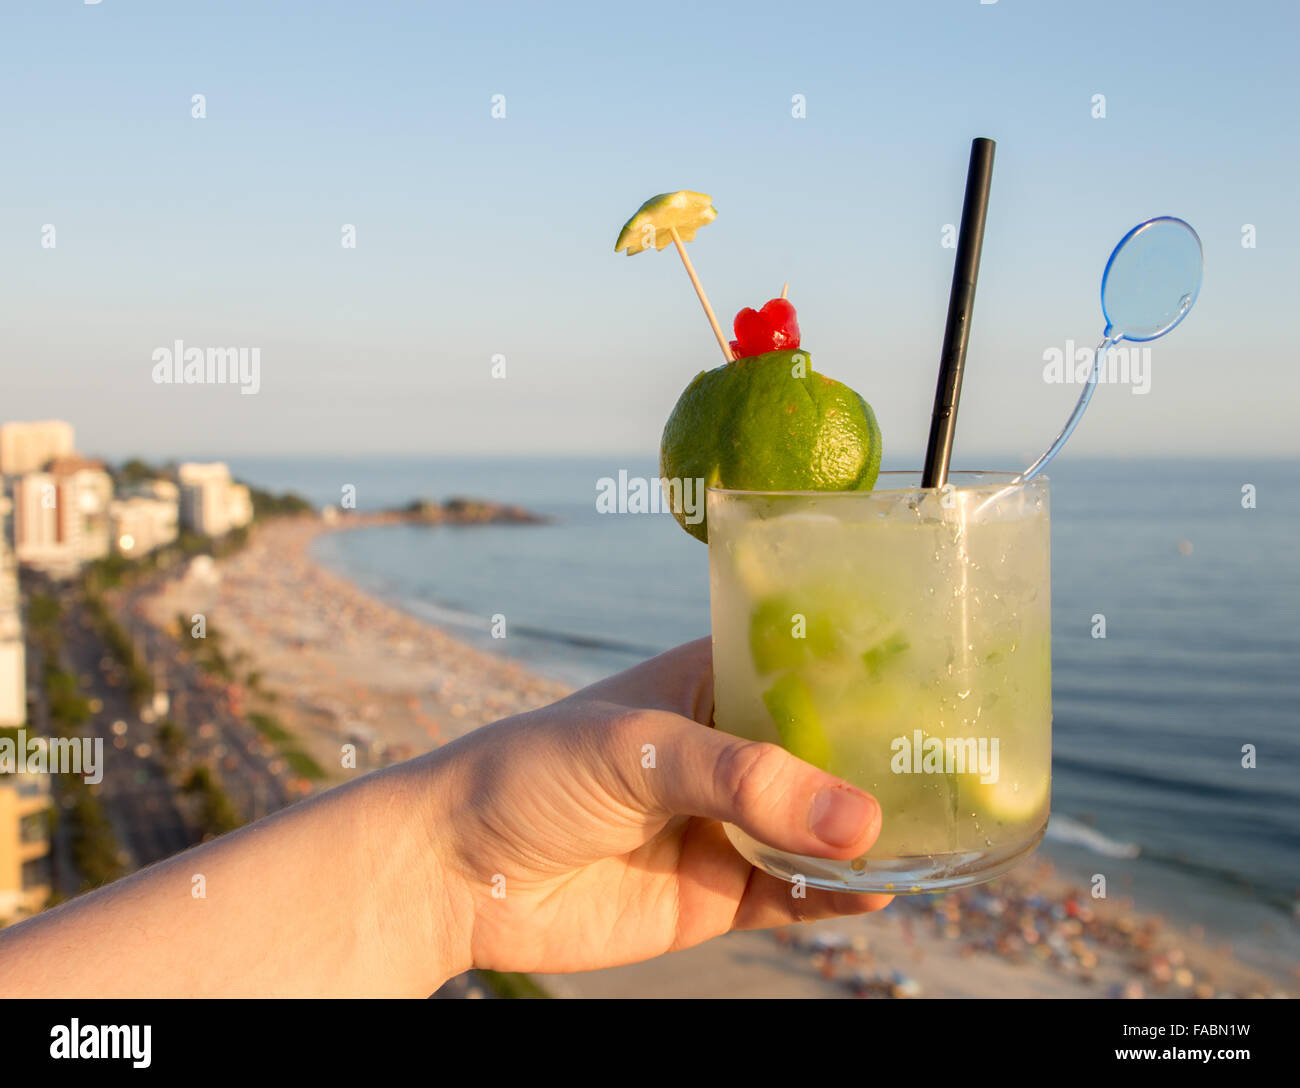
773,328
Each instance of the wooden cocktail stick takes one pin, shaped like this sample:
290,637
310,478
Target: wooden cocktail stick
704,299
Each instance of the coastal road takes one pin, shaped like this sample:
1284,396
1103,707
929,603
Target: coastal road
136,794
246,763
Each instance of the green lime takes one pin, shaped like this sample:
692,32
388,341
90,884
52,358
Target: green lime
770,423
684,210
884,652
782,634
790,703
1006,800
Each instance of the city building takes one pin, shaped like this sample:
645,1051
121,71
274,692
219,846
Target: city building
25,879
29,447
13,656
152,489
239,505
60,515
211,503
142,522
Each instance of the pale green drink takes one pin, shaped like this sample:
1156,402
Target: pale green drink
901,639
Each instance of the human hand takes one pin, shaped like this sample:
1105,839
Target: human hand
562,851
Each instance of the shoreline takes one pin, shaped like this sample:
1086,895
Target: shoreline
346,664
339,658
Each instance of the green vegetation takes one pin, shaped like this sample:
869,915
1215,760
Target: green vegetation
217,812
188,545
111,570
69,709
91,838
171,742
44,613
302,764
299,761
136,471
510,985
271,729
266,504
207,651
139,681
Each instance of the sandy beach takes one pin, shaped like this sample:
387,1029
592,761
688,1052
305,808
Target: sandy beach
344,667
343,664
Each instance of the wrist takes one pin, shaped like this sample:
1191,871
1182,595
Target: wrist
424,909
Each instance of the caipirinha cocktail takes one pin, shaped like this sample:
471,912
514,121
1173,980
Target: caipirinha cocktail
900,639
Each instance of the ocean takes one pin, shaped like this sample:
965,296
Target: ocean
1200,594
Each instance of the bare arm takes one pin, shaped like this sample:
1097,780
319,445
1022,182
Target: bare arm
340,894
545,842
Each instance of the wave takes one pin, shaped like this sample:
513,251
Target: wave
1065,830
1062,829
451,617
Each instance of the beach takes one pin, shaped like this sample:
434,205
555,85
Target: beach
342,667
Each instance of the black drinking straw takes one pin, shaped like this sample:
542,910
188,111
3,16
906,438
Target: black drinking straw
961,305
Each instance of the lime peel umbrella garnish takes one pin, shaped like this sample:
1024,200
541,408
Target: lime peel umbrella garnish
674,217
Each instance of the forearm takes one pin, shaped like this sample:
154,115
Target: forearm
340,895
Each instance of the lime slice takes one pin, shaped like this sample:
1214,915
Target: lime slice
884,652
684,210
790,703
782,633
755,565
1007,800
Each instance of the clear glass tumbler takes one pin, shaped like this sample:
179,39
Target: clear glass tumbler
901,639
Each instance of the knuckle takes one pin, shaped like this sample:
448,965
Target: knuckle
632,726
746,772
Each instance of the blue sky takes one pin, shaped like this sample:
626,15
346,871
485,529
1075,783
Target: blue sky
479,236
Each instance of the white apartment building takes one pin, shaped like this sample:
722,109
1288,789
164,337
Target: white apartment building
60,515
29,447
139,524
211,503
144,516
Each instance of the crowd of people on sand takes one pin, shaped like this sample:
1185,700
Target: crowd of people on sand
346,656
1019,920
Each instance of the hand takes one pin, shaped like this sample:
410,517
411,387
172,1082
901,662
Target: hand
600,860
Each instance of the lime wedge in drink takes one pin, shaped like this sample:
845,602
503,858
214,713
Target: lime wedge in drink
1006,800
790,703
781,636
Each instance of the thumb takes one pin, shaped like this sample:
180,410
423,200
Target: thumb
762,789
